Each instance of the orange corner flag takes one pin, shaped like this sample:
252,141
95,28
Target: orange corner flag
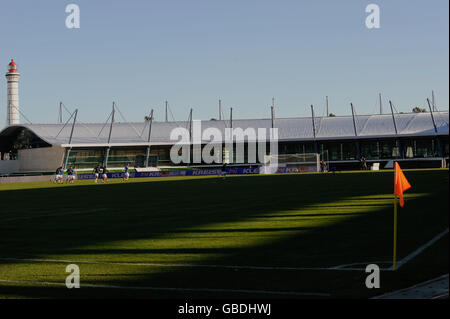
401,184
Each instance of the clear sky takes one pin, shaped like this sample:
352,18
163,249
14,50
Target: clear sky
193,52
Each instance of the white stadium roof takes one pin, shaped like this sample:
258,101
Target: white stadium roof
289,129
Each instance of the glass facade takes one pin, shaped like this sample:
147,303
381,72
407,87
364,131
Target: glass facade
296,147
349,150
86,158
444,143
338,151
422,148
163,154
375,149
379,149
89,158
121,157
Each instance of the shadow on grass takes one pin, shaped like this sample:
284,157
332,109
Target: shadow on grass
155,209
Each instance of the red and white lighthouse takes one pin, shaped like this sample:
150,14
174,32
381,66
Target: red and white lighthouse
12,104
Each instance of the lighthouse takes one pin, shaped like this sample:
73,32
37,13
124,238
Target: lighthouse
12,104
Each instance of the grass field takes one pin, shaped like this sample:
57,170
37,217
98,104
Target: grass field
279,236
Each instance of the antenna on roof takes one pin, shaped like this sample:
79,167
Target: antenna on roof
432,116
60,117
354,121
381,103
272,114
313,121
231,117
393,117
167,115
220,110
433,101
326,104
190,125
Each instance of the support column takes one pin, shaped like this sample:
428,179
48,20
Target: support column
314,129
438,141
70,139
358,149
109,135
148,140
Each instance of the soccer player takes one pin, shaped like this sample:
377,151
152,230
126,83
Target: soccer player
74,175
126,174
224,170
97,172
59,175
104,172
69,175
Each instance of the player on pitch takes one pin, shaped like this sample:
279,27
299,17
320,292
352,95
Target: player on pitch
223,172
126,174
59,175
104,174
70,175
97,171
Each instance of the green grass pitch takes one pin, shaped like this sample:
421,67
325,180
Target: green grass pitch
272,236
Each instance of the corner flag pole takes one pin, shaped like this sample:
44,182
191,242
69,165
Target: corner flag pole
401,184
395,232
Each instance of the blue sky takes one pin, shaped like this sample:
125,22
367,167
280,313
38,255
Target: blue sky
140,53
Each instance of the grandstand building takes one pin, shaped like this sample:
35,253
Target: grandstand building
415,139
